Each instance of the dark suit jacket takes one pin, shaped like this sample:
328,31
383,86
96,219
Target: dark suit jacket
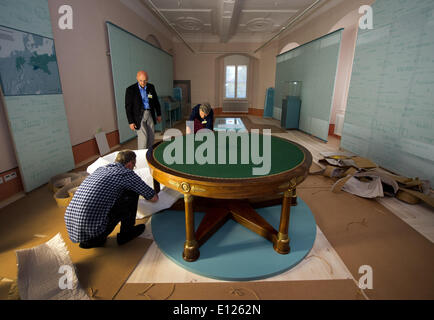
134,104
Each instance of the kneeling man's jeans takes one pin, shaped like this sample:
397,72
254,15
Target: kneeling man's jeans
124,211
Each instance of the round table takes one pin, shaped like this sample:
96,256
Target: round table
209,165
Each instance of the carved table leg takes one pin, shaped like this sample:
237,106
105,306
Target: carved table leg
191,247
282,243
294,197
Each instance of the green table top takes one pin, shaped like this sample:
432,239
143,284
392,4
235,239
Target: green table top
284,156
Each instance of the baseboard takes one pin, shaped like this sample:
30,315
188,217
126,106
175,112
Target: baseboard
84,151
256,112
93,158
331,129
251,111
10,188
12,199
218,110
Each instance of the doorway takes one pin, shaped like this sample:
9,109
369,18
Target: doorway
185,86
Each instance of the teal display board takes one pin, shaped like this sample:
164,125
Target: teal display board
314,64
31,16
130,54
30,82
269,103
40,131
390,110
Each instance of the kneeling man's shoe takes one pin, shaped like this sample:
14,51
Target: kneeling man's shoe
124,237
92,243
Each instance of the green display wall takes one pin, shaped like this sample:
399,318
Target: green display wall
314,64
390,110
130,54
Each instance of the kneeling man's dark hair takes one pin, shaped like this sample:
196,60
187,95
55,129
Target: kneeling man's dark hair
125,156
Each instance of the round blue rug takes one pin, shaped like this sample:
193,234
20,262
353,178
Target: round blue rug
234,253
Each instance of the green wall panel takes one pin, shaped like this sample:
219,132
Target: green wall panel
130,54
390,108
315,65
30,16
41,136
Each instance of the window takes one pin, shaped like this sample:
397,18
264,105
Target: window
236,82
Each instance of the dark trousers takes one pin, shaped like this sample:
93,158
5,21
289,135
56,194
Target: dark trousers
124,211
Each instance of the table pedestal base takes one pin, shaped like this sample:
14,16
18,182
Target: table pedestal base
240,211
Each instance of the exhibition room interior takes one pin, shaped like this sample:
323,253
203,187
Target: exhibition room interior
328,195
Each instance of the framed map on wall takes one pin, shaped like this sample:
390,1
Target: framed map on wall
28,64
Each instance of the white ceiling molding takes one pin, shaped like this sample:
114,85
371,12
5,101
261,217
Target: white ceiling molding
138,8
152,7
269,11
256,38
230,12
229,21
322,8
189,24
184,10
259,25
291,23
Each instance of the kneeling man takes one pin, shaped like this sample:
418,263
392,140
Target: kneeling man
105,198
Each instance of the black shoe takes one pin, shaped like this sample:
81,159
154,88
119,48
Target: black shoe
124,237
92,243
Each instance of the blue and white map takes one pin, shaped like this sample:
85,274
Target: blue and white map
28,64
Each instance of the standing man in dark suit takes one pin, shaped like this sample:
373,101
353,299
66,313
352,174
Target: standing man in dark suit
143,110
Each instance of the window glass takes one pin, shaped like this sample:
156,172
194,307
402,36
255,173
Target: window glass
230,82
241,82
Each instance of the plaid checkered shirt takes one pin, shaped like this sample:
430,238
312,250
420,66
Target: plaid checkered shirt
86,215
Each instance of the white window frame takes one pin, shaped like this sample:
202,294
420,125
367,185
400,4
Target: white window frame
236,82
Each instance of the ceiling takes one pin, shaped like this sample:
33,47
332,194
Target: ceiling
224,21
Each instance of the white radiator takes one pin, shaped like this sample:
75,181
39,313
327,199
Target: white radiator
339,124
235,106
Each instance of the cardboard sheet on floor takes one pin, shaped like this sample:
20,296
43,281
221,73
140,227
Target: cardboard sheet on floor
5,286
266,290
103,271
363,232
37,218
